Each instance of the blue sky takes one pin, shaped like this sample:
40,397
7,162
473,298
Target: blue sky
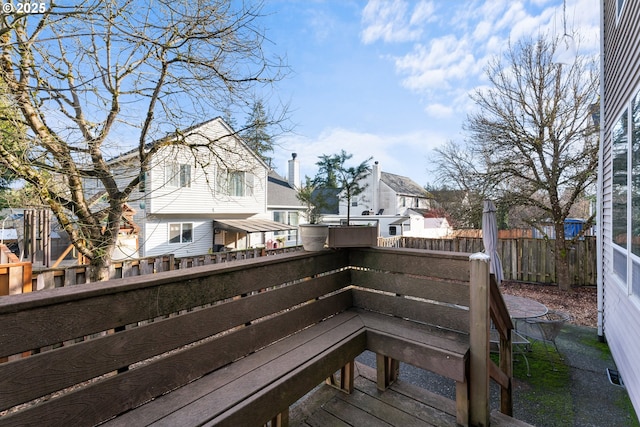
391,79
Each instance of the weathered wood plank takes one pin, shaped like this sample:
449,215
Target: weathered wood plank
94,308
70,365
411,400
112,395
383,410
333,350
448,265
352,415
445,316
451,292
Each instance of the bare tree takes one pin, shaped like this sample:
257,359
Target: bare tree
101,77
536,137
460,173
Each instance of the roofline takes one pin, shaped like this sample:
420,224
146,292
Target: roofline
233,134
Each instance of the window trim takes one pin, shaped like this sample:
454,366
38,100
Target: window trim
177,175
619,8
224,180
626,251
181,233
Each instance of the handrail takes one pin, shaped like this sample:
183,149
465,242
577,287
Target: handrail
503,374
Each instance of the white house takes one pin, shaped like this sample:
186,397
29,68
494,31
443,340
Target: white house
283,204
192,200
619,189
395,202
388,194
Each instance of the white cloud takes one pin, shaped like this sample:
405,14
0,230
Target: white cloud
439,110
392,21
383,148
440,65
423,12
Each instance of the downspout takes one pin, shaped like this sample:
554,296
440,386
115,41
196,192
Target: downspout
599,196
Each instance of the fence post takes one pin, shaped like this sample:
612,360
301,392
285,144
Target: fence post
479,340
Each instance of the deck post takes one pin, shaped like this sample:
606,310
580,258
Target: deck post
479,341
388,370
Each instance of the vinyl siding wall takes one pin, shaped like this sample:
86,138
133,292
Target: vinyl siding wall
201,201
202,196
154,236
621,78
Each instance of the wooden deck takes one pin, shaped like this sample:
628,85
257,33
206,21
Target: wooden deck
403,404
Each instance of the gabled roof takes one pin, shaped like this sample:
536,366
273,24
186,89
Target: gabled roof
404,186
280,193
184,133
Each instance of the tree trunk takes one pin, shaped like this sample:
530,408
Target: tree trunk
562,259
98,270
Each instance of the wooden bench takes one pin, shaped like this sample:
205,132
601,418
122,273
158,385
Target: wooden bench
233,344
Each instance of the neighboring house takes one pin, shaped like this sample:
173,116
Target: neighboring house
283,204
389,194
619,189
396,203
192,201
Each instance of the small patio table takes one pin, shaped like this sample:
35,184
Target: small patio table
524,308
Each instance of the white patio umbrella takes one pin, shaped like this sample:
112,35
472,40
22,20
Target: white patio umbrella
490,238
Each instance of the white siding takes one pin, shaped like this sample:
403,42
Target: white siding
621,80
201,196
388,200
155,237
622,324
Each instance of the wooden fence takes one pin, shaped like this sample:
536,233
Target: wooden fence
77,274
15,276
523,259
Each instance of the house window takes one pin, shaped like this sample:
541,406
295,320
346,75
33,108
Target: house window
392,230
177,175
619,193
235,183
625,196
635,175
181,232
619,6
354,202
289,218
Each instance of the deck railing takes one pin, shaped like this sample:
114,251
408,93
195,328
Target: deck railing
77,274
54,321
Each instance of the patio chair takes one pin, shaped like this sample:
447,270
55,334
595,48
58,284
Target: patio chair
519,345
544,328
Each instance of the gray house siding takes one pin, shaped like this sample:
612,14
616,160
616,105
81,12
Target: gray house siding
620,266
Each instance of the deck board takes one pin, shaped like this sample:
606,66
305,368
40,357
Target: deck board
403,404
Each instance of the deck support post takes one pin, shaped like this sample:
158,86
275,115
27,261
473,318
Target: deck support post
479,324
280,420
388,370
347,377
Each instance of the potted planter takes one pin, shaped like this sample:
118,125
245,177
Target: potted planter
313,236
352,236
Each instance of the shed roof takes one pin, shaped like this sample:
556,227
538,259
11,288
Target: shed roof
251,225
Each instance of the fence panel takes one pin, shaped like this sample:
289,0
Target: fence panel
15,276
523,259
77,274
